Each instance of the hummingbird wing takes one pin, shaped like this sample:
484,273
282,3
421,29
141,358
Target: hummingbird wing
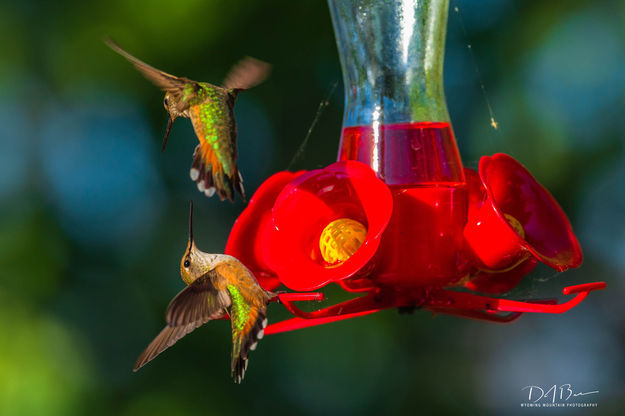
167,82
246,73
195,305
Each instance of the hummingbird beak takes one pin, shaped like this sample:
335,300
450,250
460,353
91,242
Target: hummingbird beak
169,124
191,226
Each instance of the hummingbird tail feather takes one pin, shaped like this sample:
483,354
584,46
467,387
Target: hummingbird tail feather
246,343
238,183
211,178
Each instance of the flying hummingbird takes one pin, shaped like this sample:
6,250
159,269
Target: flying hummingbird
217,285
210,108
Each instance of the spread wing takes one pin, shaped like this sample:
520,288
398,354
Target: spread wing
167,82
195,305
247,73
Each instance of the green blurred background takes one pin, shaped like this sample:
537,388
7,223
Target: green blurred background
94,217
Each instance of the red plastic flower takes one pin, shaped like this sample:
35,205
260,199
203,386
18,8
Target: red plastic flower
279,233
513,221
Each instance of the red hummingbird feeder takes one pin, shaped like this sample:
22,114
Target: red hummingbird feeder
397,219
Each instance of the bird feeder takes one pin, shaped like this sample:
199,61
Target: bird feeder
397,220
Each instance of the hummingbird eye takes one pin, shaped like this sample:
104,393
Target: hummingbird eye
166,102
187,263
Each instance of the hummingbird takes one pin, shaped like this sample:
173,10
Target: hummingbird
211,110
218,285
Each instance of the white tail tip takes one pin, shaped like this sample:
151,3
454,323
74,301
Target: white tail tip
194,174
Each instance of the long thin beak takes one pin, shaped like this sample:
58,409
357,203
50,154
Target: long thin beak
191,225
169,124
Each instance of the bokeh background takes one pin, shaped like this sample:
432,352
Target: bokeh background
93,216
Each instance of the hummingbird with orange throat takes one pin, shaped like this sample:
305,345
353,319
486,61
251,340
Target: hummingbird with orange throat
211,110
218,285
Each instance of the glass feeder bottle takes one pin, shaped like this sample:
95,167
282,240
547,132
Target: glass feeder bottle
396,121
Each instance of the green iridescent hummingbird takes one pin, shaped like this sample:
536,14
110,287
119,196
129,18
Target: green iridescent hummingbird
218,285
210,108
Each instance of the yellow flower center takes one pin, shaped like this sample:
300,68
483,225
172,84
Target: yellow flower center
515,224
341,239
